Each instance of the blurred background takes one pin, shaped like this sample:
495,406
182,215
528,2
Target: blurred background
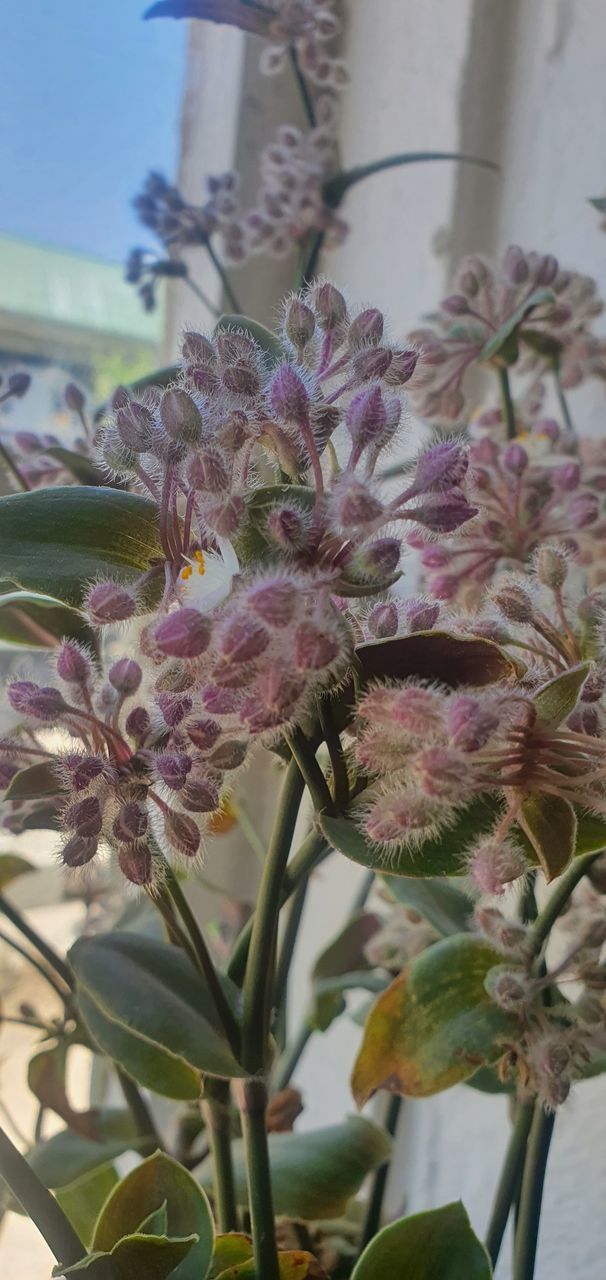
91,99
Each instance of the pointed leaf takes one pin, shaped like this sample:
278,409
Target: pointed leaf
436,655
443,906
556,701
156,1182
149,1065
153,992
12,865
268,342
156,1223
39,622
435,1025
230,1251
550,824
441,855
36,782
494,346
436,1245
135,1257
56,540
314,1174
591,832
63,1159
83,1199
78,465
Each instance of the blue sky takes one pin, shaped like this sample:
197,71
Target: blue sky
89,101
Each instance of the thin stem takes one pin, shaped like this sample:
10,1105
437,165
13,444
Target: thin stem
562,401
309,260
313,851
291,931
48,977
39,1204
218,1122
288,1063
335,751
12,467
375,1203
527,1232
306,99
201,296
316,783
507,402
258,982
361,896
224,278
142,1116
252,1100
249,831
204,961
43,948
558,899
509,1181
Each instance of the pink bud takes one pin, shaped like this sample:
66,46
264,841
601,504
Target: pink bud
288,527
547,270
73,665
125,675
274,600
366,418
243,639
354,503
109,602
219,702
42,702
78,851
440,467
314,648
288,395
184,633
131,822
469,723
174,707
383,620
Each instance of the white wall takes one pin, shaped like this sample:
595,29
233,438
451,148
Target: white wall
522,82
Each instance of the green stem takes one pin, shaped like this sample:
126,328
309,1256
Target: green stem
562,401
288,1063
224,278
305,756
312,852
12,467
308,262
306,99
252,1100
258,981
287,946
361,897
509,1181
43,948
527,1232
375,1204
64,996
507,404
142,1116
39,1204
204,960
217,1114
558,899
335,751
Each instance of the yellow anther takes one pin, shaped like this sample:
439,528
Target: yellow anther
201,562
186,572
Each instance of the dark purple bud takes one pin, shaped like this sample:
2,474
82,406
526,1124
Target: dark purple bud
173,767
228,754
182,833
84,817
243,639
42,702
242,379
366,329
381,558
203,733
218,701
131,822
79,851
371,362
440,467
125,675
288,395
136,864
200,795
18,384
383,621
198,350
135,426
137,723
330,307
300,324
174,707
185,633
402,367
181,417
82,770
366,418
455,304
73,665
444,512
109,602
421,615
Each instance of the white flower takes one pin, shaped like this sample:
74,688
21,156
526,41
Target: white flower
206,580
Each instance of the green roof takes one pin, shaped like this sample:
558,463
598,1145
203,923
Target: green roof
70,288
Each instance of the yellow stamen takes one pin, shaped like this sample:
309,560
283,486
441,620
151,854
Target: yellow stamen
186,572
201,564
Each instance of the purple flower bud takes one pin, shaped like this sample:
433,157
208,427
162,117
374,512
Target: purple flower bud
330,307
402,367
354,503
174,707
125,675
366,418
135,426
184,633
547,270
371,362
137,723
300,324
181,833
314,648
440,467
421,615
226,517
181,418
366,329
442,513
547,427
203,733
19,384
274,600
551,568
42,702
82,770
173,768
383,620
469,723
198,350
288,527
514,603
109,602
514,459
381,557
78,851
434,556
136,864
229,754
515,265
219,702
200,795
207,470
74,398
243,639
73,665
7,773
84,817
455,304
584,509
288,395
131,822
567,477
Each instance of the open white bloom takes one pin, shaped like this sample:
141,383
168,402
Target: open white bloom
206,580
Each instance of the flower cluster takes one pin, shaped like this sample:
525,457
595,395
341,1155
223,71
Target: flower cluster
431,752
529,314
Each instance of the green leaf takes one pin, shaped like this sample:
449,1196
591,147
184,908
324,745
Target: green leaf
440,903
550,824
152,991
56,540
80,467
556,701
66,1157
157,1182
314,1174
12,865
36,782
83,1199
441,855
435,1025
294,1265
136,1257
148,1065
591,832
268,342
336,188
340,966
436,655
156,1222
436,1245
39,622
230,1251
495,345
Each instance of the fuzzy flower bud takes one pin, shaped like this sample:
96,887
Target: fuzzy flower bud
440,467
443,513
131,822
174,707
300,324
109,602
421,615
551,568
354,503
514,459
366,329
200,795
243,639
73,665
181,833
78,851
136,864
379,559
366,418
207,471
330,307
493,866
288,395
383,620
203,733
287,526
84,817
173,768
514,603
181,417
469,723
137,723
125,675
184,633
42,702
135,426
274,600
314,648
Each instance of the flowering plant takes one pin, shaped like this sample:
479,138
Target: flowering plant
225,579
